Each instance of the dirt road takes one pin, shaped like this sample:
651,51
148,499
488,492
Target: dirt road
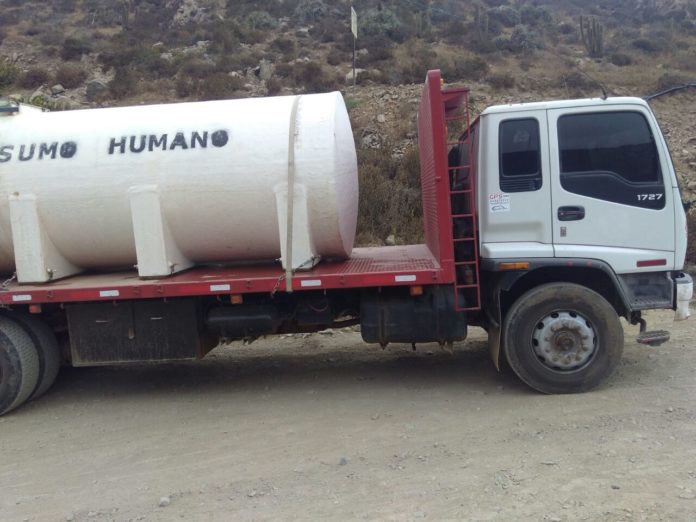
326,427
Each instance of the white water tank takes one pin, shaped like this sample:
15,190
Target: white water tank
165,187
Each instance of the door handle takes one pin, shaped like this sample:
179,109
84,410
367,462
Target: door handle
571,213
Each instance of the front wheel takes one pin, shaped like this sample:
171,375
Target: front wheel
562,338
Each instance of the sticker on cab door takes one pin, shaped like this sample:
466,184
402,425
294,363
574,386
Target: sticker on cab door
499,202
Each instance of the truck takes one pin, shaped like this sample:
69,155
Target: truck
544,224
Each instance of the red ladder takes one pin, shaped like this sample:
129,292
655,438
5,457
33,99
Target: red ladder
462,194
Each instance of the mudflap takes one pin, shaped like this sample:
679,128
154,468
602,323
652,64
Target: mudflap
495,328
494,336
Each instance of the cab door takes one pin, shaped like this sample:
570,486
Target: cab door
609,195
515,187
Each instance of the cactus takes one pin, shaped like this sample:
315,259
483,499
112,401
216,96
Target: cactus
592,34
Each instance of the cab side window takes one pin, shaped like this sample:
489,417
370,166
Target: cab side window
611,156
520,155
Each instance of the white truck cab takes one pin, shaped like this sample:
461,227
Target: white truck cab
589,179
580,221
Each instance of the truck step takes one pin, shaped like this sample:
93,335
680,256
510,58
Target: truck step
654,338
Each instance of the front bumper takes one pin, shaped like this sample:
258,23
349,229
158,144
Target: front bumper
684,292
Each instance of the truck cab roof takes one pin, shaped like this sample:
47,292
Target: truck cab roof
563,104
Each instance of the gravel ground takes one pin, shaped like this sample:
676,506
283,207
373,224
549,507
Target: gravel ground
327,427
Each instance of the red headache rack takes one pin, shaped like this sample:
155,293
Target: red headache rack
449,191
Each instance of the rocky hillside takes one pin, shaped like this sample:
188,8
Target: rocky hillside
66,54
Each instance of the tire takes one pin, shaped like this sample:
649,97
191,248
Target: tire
562,338
46,348
19,365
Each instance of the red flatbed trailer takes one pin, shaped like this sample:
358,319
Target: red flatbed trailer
367,267
431,263
414,293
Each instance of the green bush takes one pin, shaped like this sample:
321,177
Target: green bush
384,22
522,40
33,78
257,20
9,73
505,15
525,40
535,15
144,58
310,10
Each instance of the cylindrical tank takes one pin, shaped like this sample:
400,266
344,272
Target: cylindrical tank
221,173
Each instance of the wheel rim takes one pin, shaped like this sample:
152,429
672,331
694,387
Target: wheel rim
564,341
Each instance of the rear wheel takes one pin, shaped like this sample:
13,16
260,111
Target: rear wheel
19,365
562,338
46,348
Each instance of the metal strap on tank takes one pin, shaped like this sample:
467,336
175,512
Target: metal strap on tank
291,193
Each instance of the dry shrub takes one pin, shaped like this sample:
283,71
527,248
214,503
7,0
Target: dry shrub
379,48
33,78
390,200
274,86
669,80
421,58
70,76
286,47
185,86
124,84
197,68
220,86
238,61
501,81
577,83
471,68
336,57
310,75
74,48
621,59
685,60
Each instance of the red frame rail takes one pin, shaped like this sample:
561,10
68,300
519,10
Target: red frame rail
410,265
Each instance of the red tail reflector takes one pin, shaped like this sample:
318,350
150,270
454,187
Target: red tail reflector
651,262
